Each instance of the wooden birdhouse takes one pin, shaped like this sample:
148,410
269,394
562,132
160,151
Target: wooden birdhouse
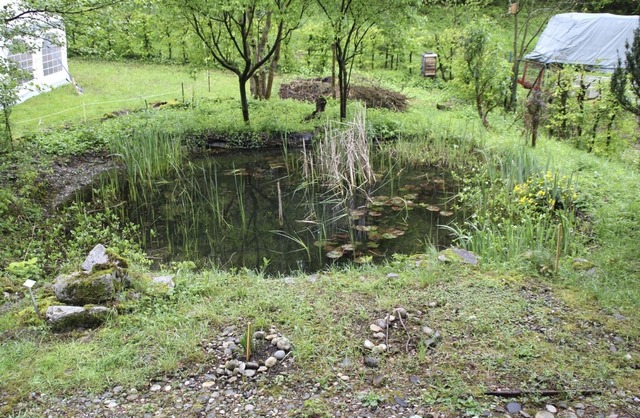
429,64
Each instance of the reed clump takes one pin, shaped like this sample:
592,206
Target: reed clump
343,158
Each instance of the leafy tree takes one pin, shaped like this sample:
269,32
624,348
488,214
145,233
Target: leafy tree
242,35
350,22
483,75
529,19
630,72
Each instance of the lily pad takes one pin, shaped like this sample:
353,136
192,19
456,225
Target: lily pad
356,213
348,247
363,228
237,172
410,196
446,213
337,253
389,235
375,213
433,208
374,236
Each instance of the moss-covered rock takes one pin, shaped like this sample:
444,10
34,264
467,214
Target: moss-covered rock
458,255
63,318
81,288
582,264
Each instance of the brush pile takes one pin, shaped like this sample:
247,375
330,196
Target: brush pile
372,96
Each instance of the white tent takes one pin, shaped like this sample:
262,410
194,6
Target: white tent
596,40
46,59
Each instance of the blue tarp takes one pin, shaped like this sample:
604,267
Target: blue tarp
592,39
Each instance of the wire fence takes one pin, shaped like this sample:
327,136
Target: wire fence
84,106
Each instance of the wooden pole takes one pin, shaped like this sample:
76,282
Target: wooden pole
280,209
558,247
248,340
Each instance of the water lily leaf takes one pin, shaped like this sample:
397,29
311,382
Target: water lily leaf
397,201
375,213
363,228
375,253
372,244
348,247
363,260
356,213
433,208
374,236
337,253
389,235
237,172
410,196
324,243
446,213
397,208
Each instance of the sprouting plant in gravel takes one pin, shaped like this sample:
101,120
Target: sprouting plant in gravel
371,399
314,408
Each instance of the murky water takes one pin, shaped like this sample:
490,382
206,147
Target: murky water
255,210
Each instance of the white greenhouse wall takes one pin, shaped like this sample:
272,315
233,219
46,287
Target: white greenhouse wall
47,60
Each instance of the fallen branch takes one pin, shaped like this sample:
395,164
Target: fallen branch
406,346
514,393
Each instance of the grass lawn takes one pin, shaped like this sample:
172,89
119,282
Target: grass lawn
114,86
504,325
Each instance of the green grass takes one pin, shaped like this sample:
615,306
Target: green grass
519,328
116,86
502,340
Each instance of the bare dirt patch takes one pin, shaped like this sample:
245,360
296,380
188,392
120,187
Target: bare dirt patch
372,96
71,174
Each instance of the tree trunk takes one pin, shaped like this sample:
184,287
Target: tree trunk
513,97
7,124
272,69
243,99
333,71
343,84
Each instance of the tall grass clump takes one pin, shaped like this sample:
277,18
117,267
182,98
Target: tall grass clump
450,144
343,156
148,155
515,205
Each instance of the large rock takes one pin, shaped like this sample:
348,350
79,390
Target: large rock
165,282
458,255
81,288
100,259
63,318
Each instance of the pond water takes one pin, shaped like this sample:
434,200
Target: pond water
257,210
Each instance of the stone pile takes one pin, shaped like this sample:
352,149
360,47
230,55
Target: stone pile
269,350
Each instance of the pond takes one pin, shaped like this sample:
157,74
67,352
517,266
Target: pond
260,211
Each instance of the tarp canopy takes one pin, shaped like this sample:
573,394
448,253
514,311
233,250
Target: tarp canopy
592,39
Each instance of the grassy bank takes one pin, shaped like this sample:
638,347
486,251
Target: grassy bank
508,323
